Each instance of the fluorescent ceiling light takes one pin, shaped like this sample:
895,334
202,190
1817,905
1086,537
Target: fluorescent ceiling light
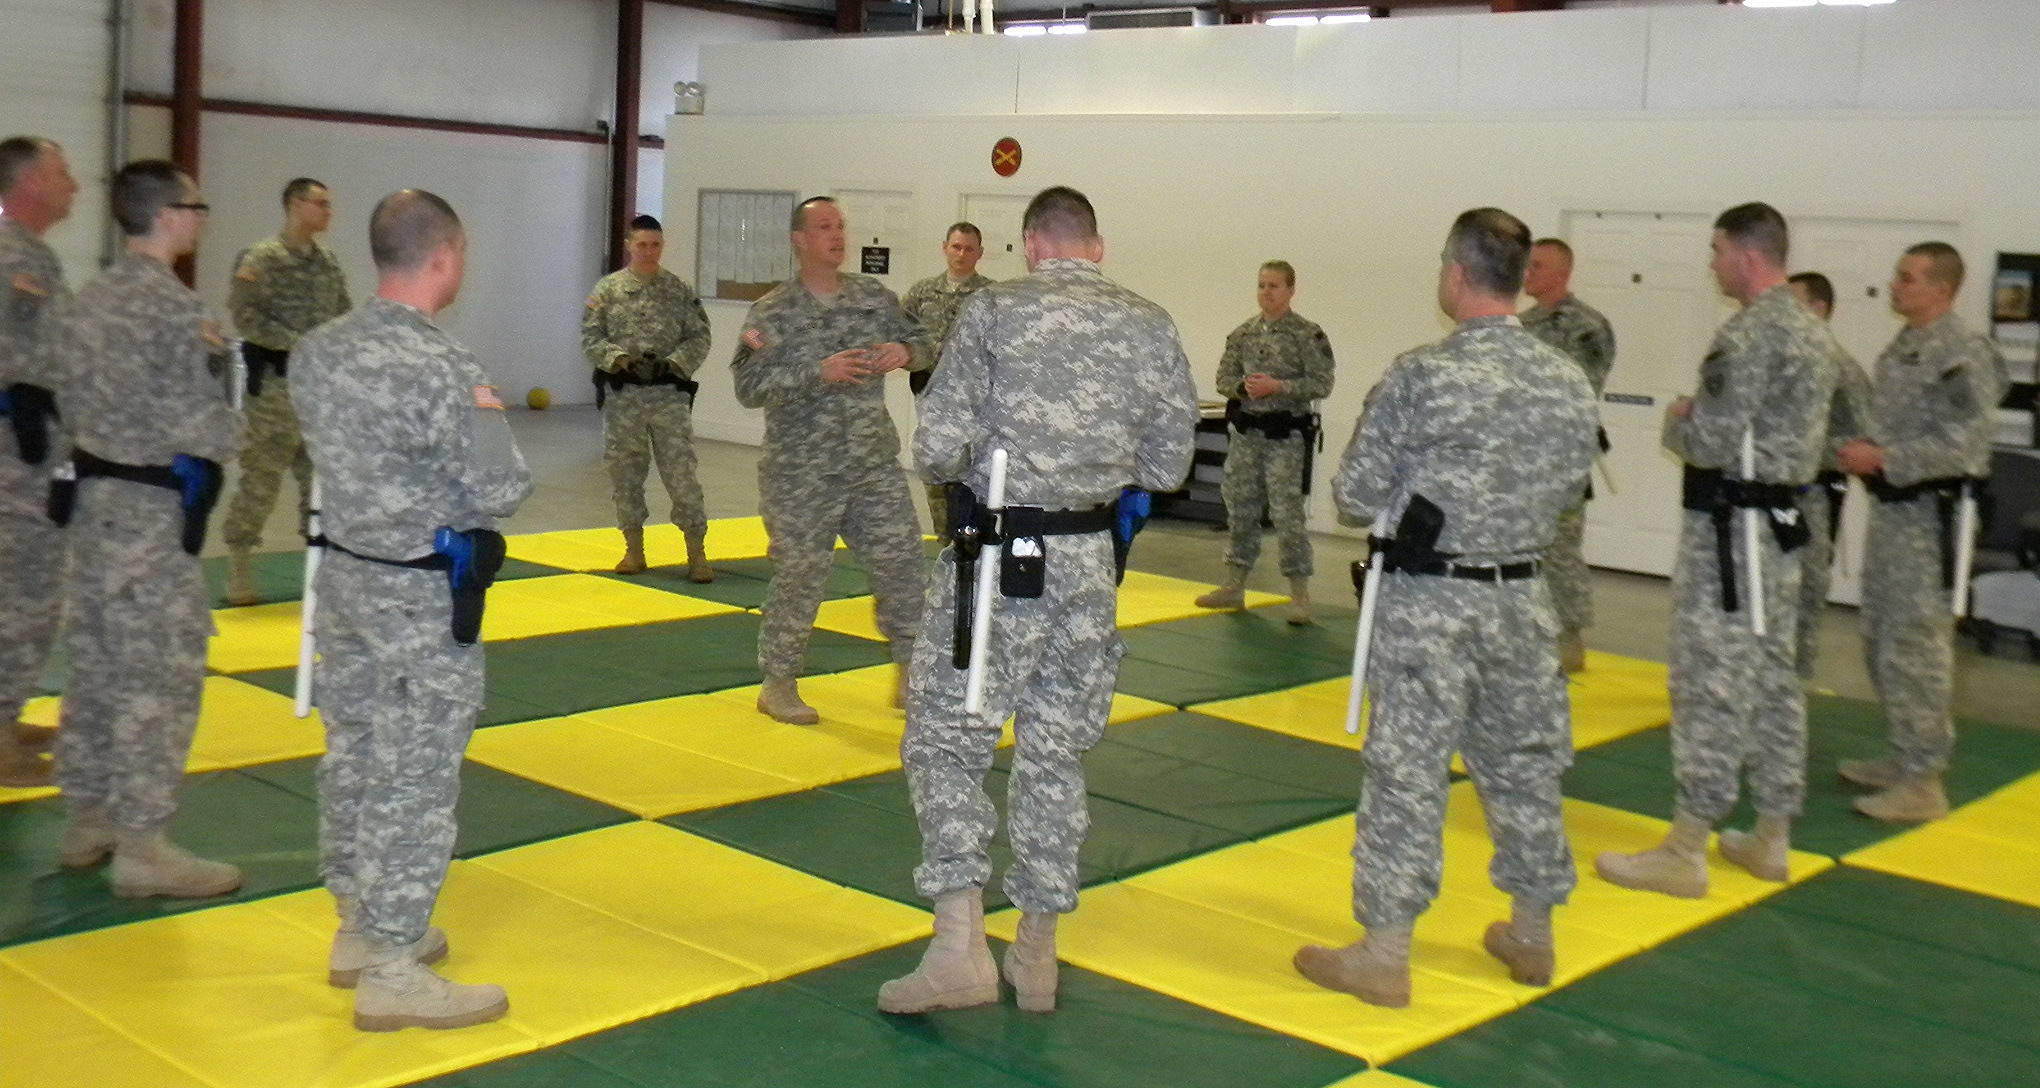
1068,28
1290,20
1347,17
1024,30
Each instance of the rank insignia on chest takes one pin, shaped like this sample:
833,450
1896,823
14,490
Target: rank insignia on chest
754,339
485,397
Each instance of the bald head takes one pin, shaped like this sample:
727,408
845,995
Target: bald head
407,226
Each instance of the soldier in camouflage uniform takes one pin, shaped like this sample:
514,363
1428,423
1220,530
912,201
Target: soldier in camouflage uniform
1738,709
1275,366
142,392
1577,329
1021,356
935,302
1928,439
815,353
1847,415
646,334
35,190
409,437
283,287
1495,430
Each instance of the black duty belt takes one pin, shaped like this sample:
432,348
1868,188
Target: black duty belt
1441,565
606,380
1718,495
468,578
435,561
1947,492
197,488
261,362
1022,565
1275,425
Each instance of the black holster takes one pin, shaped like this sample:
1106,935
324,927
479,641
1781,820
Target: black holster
29,410
1415,544
1023,563
1833,486
196,495
1719,496
1947,492
971,527
261,362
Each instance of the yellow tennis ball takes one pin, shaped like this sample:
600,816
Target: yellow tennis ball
538,399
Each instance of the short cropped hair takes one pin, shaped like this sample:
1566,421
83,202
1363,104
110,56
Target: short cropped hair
646,222
407,226
967,227
1062,213
1818,287
300,188
800,210
1759,227
1288,271
1942,258
17,155
141,190
1493,247
1558,244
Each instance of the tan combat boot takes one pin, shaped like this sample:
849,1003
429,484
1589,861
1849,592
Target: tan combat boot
89,836
956,971
1572,651
350,949
633,561
241,579
1524,943
1876,773
147,863
779,699
1907,801
395,991
698,570
21,768
1299,603
1375,968
1764,852
1677,866
35,738
1232,595
1029,963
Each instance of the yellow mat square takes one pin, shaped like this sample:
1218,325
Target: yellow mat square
1378,1078
1293,888
711,896
856,616
633,773
665,545
1990,846
251,639
728,726
555,605
569,969
1615,697
237,995
46,1040
239,725
1154,598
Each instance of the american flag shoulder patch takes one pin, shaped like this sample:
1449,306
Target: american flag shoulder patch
485,397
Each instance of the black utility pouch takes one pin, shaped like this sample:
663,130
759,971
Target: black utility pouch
1023,565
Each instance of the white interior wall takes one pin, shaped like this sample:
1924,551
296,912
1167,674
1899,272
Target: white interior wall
535,209
1376,135
53,84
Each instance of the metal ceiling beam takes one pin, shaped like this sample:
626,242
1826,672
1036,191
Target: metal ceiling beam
187,77
775,12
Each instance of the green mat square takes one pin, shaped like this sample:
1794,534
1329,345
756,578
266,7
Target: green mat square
743,582
1322,769
1104,1033
1268,631
1914,910
1181,687
497,810
554,1068
1259,668
1535,1047
587,670
1201,793
1750,1018
231,816
280,576
1635,773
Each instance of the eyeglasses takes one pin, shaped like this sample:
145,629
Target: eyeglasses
200,208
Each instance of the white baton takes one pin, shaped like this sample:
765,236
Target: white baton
1965,551
308,637
1363,639
1752,544
988,570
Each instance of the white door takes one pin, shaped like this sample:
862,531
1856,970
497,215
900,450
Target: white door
998,216
879,224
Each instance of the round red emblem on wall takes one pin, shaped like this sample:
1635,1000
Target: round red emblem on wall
1006,157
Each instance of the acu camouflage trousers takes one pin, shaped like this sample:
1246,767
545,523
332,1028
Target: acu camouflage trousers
31,578
873,512
274,446
1909,632
646,423
1261,472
